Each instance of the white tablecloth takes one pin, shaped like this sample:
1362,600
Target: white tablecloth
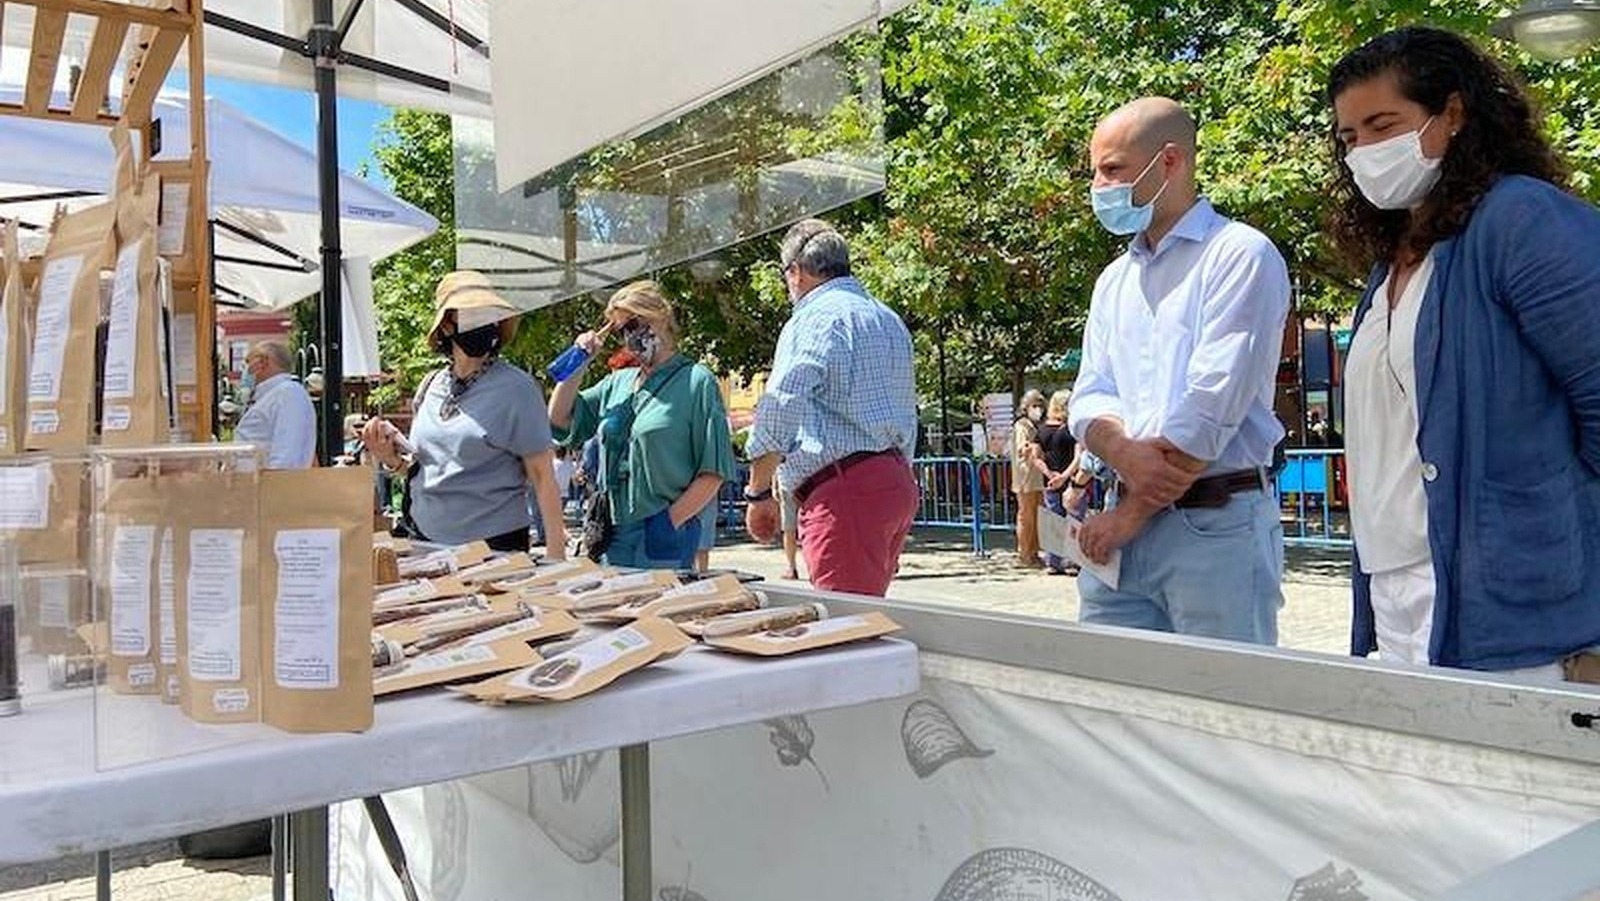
54,802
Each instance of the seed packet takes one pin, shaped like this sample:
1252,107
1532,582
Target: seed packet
43,508
214,516
444,562
763,620
547,575
458,664
131,524
316,599
697,600
586,668
61,378
586,595
509,566
807,636
136,399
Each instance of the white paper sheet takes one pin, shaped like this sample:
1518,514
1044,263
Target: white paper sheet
167,592
185,364
52,326
1058,535
55,602
306,621
122,328
132,553
173,234
25,497
216,563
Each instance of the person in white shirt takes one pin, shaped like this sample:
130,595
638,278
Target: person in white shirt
280,418
1175,393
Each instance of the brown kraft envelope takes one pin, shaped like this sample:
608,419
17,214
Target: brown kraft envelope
135,405
42,509
61,373
807,636
218,583
316,599
131,522
13,345
455,665
588,667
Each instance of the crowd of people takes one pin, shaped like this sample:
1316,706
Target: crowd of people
1472,396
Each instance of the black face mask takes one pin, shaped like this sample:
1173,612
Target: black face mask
480,342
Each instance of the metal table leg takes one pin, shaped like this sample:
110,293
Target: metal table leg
637,874
308,831
280,858
102,876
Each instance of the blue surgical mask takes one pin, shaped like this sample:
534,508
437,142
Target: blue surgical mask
1114,206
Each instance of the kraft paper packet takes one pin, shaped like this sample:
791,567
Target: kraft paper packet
185,356
463,605
547,575
13,345
401,546
61,373
316,599
455,665
510,566
696,600
483,610
132,520
43,509
55,604
530,624
763,620
807,636
589,595
136,402
586,668
214,517
417,591
444,562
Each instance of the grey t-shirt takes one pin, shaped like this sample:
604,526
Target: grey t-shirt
472,483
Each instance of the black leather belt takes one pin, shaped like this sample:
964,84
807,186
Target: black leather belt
837,468
1217,490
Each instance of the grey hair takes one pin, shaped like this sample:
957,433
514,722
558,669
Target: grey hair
276,351
816,248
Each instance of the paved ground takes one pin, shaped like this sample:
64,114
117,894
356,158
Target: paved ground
938,567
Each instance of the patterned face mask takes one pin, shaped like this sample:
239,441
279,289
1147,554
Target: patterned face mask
642,342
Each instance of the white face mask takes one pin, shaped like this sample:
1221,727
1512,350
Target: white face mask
1395,174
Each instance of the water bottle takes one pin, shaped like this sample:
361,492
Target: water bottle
566,365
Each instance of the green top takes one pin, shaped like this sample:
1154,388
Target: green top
679,430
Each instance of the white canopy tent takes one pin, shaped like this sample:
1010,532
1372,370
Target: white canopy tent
263,197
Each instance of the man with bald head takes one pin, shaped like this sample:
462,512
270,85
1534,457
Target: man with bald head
1174,394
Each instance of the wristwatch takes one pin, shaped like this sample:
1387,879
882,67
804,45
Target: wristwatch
756,497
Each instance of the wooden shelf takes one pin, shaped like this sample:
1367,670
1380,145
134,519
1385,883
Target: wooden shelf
159,30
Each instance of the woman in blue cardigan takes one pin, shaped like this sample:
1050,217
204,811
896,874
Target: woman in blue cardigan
1472,392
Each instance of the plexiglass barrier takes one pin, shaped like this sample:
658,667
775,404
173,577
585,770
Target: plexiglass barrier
802,140
1003,781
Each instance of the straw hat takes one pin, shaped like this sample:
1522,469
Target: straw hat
473,298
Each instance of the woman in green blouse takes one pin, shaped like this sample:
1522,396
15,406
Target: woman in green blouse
664,444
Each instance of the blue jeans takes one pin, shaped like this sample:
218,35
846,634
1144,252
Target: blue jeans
1197,571
630,544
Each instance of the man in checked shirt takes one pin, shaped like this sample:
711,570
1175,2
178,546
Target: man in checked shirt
838,420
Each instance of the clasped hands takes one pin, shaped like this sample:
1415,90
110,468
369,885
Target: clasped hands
1154,475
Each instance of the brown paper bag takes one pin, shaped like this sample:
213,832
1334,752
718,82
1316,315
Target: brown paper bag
588,667
13,348
55,604
131,520
61,372
767,619
135,408
316,594
42,509
218,583
455,665
807,636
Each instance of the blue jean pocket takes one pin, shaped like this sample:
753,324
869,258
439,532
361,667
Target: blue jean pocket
663,542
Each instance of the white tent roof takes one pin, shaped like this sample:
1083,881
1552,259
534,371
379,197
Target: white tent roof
263,193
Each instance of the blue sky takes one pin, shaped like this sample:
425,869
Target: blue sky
294,114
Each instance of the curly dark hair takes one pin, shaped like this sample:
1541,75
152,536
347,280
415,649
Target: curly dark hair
1500,135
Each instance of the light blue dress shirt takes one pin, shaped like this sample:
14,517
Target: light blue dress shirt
841,383
1183,341
282,421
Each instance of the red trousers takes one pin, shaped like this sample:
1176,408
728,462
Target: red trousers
853,526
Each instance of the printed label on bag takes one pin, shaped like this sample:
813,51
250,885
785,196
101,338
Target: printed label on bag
116,419
25,497
122,327
52,326
216,560
306,619
230,700
444,660
564,668
166,589
132,554
44,422
55,602
141,675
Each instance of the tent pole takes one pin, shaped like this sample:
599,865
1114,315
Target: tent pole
324,42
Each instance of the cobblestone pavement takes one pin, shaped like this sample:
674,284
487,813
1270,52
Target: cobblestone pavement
937,567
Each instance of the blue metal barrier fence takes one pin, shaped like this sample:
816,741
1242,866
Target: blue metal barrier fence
974,493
